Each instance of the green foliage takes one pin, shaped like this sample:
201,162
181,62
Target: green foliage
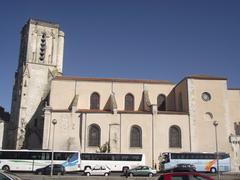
105,148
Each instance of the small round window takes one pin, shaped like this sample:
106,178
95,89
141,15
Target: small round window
206,96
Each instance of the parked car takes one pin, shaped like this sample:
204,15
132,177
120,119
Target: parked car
182,168
142,171
186,165
98,170
57,169
4,175
184,176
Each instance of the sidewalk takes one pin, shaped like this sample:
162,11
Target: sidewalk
231,173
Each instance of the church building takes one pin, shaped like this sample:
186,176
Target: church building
131,116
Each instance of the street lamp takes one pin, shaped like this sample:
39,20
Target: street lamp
54,122
215,123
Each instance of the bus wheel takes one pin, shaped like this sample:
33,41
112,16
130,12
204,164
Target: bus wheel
88,174
125,169
6,168
213,170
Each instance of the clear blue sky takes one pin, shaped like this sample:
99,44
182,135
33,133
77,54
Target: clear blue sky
135,39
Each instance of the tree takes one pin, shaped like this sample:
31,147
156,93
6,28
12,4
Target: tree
105,148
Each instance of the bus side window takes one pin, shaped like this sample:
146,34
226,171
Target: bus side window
135,158
110,157
85,157
182,156
201,156
117,157
48,155
43,156
173,156
125,158
35,155
59,156
22,155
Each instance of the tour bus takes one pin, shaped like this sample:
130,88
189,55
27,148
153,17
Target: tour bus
30,160
204,162
116,162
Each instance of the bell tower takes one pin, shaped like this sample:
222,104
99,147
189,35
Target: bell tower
40,60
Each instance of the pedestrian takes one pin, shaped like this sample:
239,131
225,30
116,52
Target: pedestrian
126,173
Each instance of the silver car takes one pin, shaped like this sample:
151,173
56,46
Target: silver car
98,170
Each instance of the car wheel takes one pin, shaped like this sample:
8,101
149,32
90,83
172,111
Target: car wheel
39,173
88,174
6,168
213,170
106,174
150,175
131,174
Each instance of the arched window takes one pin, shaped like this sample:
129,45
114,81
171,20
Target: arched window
129,102
94,135
136,136
161,102
95,101
175,137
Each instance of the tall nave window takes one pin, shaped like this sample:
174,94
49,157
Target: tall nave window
136,136
95,101
94,135
175,137
161,102
129,102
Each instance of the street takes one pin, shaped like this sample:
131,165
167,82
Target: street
116,176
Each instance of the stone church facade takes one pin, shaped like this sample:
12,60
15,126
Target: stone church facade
132,116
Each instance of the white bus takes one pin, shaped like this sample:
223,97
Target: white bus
30,160
204,162
116,162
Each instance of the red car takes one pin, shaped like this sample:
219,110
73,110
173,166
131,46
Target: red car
184,176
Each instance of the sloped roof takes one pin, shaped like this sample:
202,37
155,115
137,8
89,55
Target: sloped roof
112,80
204,76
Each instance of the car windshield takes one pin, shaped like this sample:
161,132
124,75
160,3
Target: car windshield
96,167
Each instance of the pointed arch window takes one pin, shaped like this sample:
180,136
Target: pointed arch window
95,101
94,135
175,137
161,102
129,102
136,136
